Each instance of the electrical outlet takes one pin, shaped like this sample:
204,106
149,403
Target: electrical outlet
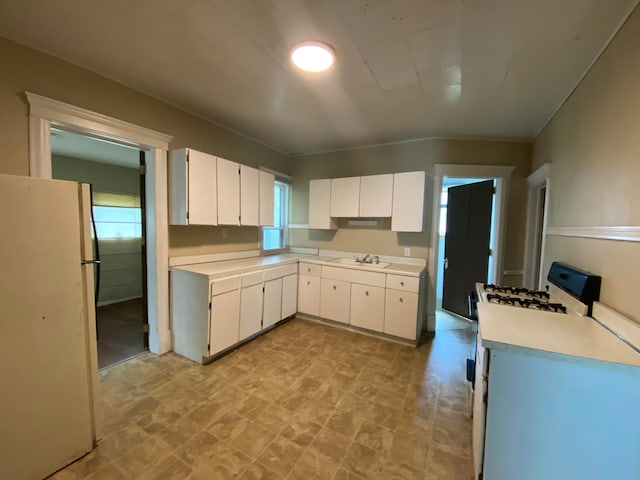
407,252
225,232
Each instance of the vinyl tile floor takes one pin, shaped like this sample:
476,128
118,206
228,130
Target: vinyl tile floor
303,401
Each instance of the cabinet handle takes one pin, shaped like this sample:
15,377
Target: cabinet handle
334,287
401,300
308,269
366,293
308,282
402,284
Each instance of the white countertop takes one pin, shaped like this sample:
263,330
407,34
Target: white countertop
407,269
233,267
508,328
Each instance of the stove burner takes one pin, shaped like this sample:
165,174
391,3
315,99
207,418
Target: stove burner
531,303
523,292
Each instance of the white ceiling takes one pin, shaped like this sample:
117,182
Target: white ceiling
405,68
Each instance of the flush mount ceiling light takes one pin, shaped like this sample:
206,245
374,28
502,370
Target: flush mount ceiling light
312,56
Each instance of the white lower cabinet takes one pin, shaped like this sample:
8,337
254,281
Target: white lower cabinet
250,310
309,295
367,307
400,314
335,296
289,296
272,302
225,320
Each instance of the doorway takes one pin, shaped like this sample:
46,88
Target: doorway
500,174
117,184
463,259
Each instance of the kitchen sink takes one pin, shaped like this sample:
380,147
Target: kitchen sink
352,262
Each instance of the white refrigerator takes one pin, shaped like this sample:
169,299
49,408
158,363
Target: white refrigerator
48,360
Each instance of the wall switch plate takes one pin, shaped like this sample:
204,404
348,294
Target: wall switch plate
407,252
225,232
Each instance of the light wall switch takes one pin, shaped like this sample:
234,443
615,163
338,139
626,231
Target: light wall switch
407,251
225,232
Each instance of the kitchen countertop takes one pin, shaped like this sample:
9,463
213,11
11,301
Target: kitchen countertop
234,267
551,334
394,268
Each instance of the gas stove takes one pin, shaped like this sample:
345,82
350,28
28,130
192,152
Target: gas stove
524,301
570,290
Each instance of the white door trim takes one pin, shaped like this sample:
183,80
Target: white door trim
43,114
537,180
501,174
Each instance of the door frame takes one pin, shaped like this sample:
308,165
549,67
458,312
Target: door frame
46,112
501,174
537,180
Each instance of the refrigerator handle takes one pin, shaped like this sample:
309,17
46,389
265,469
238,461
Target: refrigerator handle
90,262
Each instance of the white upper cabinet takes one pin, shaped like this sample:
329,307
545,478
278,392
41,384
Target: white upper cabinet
408,202
249,196
345,197
192,198
376,195
267,186
320,205
228,192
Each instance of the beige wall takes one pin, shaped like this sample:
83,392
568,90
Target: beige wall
593,144
25,69
403,157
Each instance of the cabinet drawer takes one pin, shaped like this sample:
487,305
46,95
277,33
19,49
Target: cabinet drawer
223,285
252,278
279,272
400,282
310,269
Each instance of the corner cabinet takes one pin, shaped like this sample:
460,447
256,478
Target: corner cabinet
193,188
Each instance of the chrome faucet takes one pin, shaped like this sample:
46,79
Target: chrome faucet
366,258
377,259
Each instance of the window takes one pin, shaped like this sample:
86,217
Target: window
117,216
444,196
277,237
117,222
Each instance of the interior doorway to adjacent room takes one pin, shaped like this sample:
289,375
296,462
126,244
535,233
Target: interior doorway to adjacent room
114,172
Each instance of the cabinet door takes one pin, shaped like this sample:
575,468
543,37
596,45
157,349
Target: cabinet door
367,307
345,197
334,300
228,192
401,314
250,310
289,295
320,205
408,202
376,195
249,195
309,295
192,197
272,302
267,187
225,319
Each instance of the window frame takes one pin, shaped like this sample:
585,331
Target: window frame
286,212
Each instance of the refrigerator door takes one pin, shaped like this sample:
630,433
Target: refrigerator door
46,369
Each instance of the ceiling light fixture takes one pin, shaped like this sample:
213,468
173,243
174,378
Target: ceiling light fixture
312,56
